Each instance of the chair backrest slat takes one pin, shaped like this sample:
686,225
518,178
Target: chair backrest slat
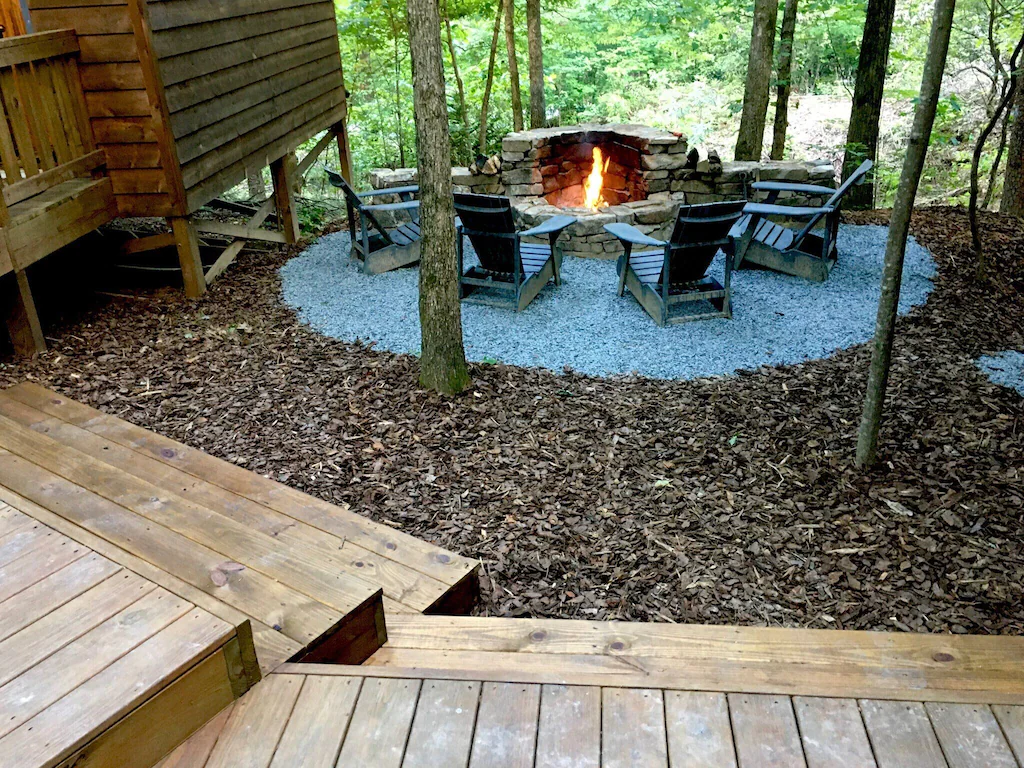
700,232
833,202
356,203
491,214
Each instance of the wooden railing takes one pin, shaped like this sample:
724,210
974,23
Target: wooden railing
45,137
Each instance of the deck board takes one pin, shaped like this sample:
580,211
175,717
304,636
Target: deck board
416,720
94,657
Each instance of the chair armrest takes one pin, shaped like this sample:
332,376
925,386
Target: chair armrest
764,209
630,234
390,191
552,225
393,206
786,186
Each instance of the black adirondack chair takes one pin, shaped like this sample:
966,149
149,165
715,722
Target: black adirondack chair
380,248
676,273
804,253
514,271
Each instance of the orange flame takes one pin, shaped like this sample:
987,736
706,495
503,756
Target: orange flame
592,198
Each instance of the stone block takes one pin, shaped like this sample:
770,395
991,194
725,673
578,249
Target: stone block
524,190
522,176
738,171
655,214
513,143
592,224
784,171
657,185
701,187
662,162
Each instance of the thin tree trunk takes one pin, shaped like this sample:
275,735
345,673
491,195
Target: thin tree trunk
993,174
538,108
750,140
443,359
1007,94
397,63
899,228
862,135
785,80
254,180
463,111
490,78
1013,178
513,65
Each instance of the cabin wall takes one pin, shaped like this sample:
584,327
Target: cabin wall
245,82
121,112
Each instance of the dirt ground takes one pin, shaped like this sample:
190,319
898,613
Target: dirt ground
729,500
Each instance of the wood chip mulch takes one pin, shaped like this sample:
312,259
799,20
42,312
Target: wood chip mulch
731,500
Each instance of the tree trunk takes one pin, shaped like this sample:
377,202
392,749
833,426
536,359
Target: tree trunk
513,65
899,228
862,135
1013,178
785,84
463,112
490,78
538,109
254,180
443,359
750,140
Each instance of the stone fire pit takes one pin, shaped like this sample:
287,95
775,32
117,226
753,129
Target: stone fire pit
646,181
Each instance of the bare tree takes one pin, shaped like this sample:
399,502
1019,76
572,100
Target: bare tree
490,78
785,79
1013,178
443,359
750,140
862,135
899,228
538,109
463,111
513,64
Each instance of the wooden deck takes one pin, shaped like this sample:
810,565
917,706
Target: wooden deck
320,716
91,654
312,578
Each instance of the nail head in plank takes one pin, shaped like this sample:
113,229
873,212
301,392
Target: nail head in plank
633,728
569,732
506,726
833,733
970,736
901,734
765,731
699,732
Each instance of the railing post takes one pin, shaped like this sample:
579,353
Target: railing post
187,243
283,170
23,324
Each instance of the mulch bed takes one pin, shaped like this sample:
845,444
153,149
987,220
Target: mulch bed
730,500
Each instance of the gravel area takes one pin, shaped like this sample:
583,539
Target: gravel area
1005,369
582,325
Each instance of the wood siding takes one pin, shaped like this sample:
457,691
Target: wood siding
244,82
183,96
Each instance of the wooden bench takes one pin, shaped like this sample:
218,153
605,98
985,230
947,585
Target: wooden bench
53,188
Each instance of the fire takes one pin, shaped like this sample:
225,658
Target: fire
592,198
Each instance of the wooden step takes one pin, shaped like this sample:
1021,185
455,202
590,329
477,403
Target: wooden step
101,667
312,579
319,716
889,665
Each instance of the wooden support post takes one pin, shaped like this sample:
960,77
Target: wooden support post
344,152
22,319
187,243
283,171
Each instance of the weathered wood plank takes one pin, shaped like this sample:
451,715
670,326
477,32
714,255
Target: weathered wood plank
194,752
569,732
833,733
506,726
23,573
442,729
256,723
699,731
901,734
765,731
970,736
379,728
310,739
1011,720
633,728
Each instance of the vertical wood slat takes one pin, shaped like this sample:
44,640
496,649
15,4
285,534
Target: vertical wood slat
901,734
17,111
699,731
569,732
970,736
765,731
833,733
42,148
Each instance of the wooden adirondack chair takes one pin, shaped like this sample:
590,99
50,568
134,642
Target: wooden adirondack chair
676,273
803,253
508,265
380,248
